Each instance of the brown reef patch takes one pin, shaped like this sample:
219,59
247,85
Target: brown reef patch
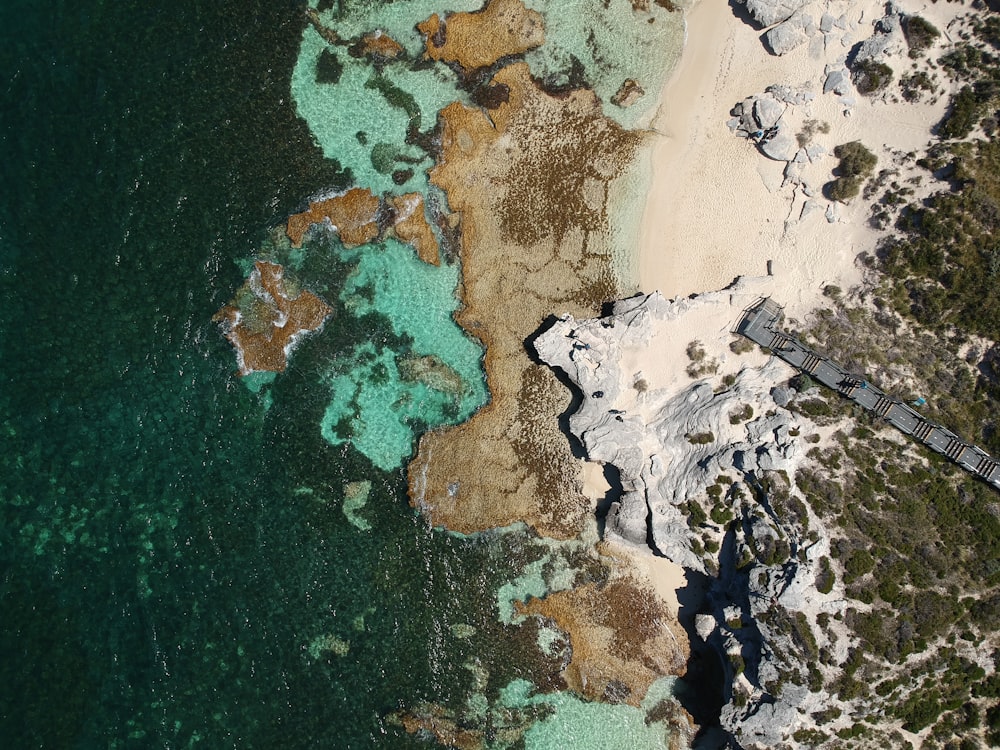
411,226
529,179
479,39
357,217
377,44
266,315
353,214
623,638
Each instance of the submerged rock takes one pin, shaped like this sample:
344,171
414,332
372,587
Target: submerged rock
432,372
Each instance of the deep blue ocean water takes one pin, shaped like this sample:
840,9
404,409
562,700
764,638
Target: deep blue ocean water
168,548
177,567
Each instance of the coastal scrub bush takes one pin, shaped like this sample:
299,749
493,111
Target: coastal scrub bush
870,77
741,415
856,165
802,382
700,365
700,438
920,34
740,345
915,85
964,112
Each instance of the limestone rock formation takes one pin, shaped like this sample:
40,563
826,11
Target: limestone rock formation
790,33
770,12
887,40
479,39
692,458
267,316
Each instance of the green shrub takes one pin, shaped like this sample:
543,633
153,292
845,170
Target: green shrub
802,382
963,114
855,167
920,34
741,415
825,578
700,438
870,77
855,159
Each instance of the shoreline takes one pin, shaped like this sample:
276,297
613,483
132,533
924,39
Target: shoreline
717,209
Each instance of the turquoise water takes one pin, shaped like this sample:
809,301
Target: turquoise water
187,559
374,406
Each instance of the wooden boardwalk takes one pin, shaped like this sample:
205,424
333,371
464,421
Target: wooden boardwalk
760,324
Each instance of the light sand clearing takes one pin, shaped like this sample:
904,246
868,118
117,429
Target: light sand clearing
716,208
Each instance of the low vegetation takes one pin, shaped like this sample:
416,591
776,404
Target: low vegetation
920,34
871,77
856,165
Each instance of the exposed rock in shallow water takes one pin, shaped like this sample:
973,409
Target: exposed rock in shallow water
479,39
266,316
379,45
353,215
628,94
411,226
532,240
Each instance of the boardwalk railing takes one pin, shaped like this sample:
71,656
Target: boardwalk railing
760,324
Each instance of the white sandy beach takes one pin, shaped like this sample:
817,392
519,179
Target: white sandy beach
716,208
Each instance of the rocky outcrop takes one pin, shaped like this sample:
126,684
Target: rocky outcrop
532,240
479,39
358,217
887,40
409,222
623,638
706,477
760,118
353,215
770,12
267,316
790,33
379,46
